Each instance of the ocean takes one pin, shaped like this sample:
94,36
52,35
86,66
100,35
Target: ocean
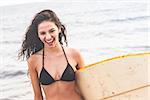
100,30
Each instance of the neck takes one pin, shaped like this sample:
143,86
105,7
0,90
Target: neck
53,51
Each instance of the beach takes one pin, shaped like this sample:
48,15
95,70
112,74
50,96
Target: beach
100,30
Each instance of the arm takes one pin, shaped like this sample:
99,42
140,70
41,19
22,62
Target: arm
80,64
34,79
79,59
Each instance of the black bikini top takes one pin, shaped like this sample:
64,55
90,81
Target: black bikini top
68,74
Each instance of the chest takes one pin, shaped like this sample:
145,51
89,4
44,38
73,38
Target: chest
56,66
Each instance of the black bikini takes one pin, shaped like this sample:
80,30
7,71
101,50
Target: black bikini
68,74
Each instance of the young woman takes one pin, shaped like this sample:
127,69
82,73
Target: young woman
51,65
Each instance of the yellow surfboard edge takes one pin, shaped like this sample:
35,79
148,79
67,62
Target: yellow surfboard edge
118,57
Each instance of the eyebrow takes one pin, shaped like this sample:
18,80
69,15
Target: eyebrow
49,29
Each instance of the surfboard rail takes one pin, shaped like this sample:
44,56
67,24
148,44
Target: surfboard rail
113,58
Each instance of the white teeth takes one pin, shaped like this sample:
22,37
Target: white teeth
49,41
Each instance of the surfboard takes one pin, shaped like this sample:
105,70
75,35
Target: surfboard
125,77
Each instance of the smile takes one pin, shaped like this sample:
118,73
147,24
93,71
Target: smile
50,41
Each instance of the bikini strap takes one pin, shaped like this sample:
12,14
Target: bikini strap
65,54
43,58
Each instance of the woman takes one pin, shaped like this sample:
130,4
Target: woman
51,65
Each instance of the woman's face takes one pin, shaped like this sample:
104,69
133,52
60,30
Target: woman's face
48,33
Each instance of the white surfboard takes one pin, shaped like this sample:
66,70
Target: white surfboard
120,78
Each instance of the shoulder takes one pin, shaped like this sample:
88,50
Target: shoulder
74,52
32,62
33,59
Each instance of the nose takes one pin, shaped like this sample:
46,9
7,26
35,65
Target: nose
48,36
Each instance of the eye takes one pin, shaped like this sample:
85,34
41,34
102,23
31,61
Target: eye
42,33
51,31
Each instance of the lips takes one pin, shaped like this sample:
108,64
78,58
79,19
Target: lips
49,41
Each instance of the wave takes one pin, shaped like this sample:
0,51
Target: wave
5,99
93,22
131,19
139,47
9,42
10,74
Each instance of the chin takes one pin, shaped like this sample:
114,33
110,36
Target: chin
51,45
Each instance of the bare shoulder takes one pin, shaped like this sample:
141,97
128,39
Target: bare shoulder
77,56
33,59
32,62
74,52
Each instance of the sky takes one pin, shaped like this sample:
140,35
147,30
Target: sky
12,2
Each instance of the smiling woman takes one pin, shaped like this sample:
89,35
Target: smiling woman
51,65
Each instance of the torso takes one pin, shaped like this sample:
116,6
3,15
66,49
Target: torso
61,90
58,90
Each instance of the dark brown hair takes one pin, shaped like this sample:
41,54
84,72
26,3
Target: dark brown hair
31,43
